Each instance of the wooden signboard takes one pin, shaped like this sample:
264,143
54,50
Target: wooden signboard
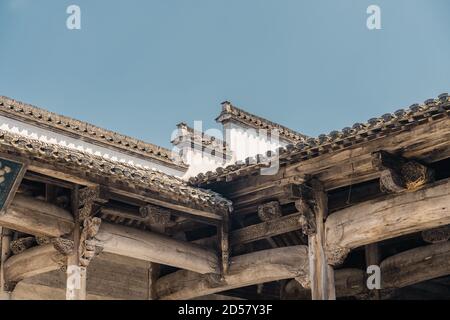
11,174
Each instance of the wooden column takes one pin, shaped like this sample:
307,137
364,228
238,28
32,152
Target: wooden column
5,240
372,253
158,223
321,274
153,275
76,274
224,245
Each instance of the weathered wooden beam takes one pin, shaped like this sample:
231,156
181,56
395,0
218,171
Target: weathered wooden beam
178,209
154,247
321,274
33,261
267,229
401,270
259,231
436,235
416,265
40,218
387,217
249,269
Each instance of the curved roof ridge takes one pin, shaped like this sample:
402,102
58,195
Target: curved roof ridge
229,111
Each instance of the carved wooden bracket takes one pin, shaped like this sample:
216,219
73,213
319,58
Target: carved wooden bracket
399,174
336,255
41,240
305,205
436,235
87,197
304,280
307,219
63,246
156,215
22,244
87,244
269,211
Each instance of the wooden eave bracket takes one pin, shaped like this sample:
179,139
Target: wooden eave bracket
399,174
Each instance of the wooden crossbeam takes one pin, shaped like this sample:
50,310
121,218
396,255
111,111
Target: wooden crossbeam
249,269
387,217
259,231
37,217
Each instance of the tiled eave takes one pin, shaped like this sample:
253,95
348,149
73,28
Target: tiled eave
113,173
82,130
360,133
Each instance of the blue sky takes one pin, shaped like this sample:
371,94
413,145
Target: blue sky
141,66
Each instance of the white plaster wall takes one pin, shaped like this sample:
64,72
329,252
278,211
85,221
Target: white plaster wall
248,142
48,136
199,162
242,141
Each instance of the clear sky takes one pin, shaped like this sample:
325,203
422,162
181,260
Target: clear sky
141,66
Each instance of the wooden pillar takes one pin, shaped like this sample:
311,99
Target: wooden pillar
5,240
153,275
224,246
372,253
154,268
321,274
76,274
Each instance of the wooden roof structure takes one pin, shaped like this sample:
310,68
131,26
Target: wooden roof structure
376,194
